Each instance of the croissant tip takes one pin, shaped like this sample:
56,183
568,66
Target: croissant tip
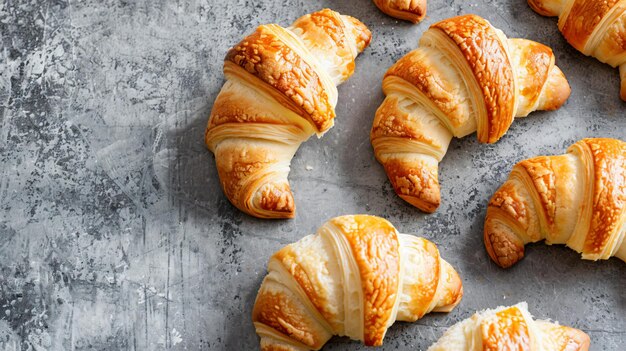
424,205
503,247
538,7
583,339
558,90
362,34
275,214
459,297
415,13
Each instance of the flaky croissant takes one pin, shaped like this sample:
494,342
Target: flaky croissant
510,328
280,90
466,76
594,27
577,199
355,277
409,10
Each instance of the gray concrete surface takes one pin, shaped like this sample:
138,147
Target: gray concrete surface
115,235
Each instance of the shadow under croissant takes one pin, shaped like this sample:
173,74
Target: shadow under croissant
185,168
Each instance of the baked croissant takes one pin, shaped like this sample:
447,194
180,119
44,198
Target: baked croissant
409,10
355,277
577,199
466,76
594,27
280,90
510,328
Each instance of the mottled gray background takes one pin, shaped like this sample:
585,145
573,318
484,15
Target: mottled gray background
115,235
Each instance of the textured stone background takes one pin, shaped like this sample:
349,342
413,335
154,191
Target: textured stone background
114,233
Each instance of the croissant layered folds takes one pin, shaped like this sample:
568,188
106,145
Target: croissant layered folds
594,27
409,10
510,328
354,277
280,90
466,76
577,199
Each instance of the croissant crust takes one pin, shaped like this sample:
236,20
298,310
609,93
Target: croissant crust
355,277
487,57
264,55
577,199
280,90
465,77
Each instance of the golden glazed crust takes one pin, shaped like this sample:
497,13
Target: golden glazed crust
281,311
539,169
374,243
487,57
419,69
609,192
537,60
582,20
288,258
242,170
392,121
264,55
409,10
502,244
507,330
415,182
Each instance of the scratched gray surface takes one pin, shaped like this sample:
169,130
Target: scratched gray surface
115,235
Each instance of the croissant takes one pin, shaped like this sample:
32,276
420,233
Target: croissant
280,90
577,199
594,27
510,328
355,277
466,76
409,10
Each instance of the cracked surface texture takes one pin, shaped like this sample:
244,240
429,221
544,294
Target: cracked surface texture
115,234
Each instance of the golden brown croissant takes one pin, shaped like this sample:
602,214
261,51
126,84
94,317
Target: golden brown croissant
409,10
594,27
577,199
280,90
510,328
355,277
466,76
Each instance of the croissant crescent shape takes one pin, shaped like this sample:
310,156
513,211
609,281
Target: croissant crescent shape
354,277
594,27
280,90
409,10
577,199
466,76
510,328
